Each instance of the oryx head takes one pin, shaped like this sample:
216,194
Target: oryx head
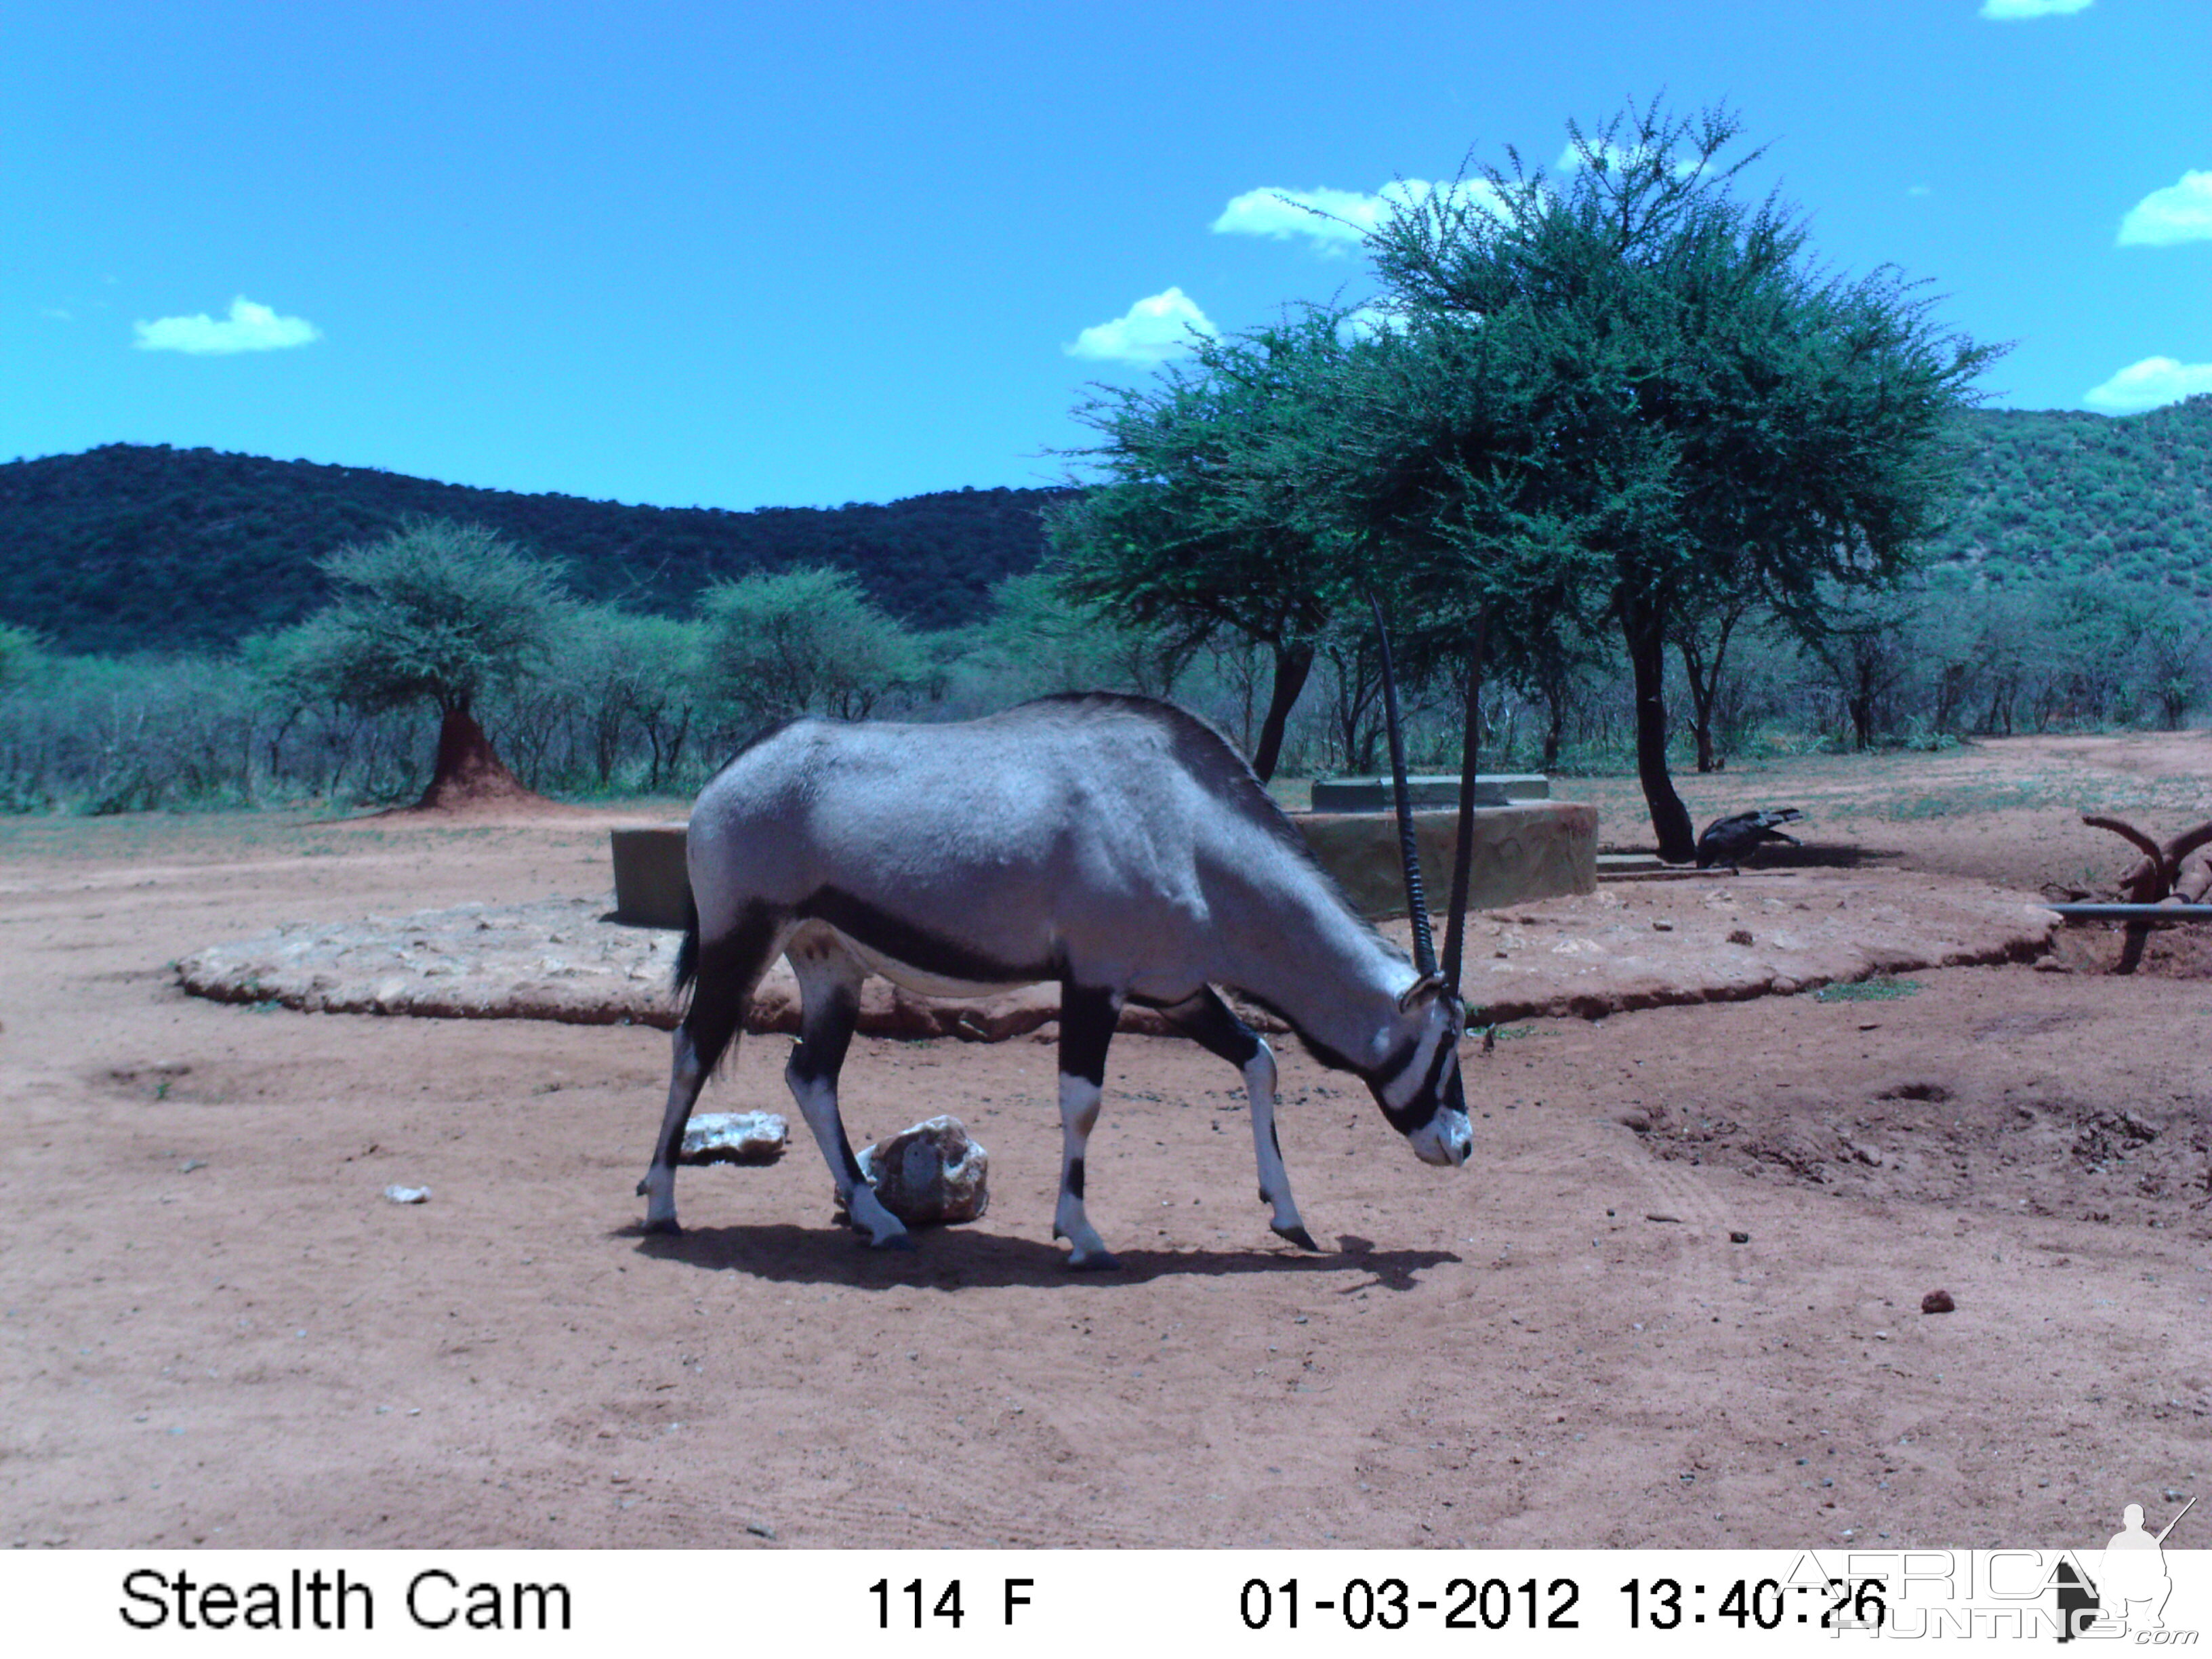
1417,1084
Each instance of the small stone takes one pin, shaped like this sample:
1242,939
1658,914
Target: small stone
1657,1216
734,1138
930,1174
1938,1302
1739,1238
399,1194
2052,965
1660,925
1634,1118
1740,936
760,1530
192,1164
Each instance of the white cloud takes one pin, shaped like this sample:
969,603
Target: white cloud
249,327
1149,331
1617,156
2147,385
2008,11
1336,220
2179,213
1366,322
1918,190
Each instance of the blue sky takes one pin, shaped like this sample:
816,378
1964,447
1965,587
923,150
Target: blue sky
745,255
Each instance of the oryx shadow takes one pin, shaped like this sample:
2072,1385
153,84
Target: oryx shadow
951,1258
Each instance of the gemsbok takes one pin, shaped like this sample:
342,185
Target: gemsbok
1114,845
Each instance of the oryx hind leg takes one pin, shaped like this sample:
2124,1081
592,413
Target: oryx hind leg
1207,1019
830,979
1086,1027
725,971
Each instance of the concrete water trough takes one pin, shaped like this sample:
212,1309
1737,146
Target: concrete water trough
1529,848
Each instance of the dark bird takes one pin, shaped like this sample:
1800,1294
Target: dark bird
1730,841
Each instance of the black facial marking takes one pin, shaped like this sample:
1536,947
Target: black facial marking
1422,1108
916,947
1075,1177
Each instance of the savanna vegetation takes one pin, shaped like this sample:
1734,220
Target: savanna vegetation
1639,484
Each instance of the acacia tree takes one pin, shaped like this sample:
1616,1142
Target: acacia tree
1696,414
801,642
435,613
1198,527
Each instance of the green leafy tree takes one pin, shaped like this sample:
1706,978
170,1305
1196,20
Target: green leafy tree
435,613
1199,525
804,641
1702,413
20,656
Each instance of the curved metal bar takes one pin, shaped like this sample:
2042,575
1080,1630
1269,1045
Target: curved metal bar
2132,911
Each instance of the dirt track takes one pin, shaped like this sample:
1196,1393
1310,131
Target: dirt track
213,1329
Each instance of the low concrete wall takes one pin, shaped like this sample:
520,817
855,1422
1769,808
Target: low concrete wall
1538,849
1426,792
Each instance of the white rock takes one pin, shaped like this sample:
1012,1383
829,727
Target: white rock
734,1138
407,1194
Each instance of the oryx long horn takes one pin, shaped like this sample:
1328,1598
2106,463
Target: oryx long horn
1463,849
1417,903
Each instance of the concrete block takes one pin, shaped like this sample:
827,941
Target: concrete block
652,888
1537,849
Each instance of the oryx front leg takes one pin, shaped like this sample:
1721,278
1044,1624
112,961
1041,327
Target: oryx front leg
830,990
1211,1023
1086,1026
1268,1149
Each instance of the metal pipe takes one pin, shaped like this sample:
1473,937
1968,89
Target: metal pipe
2133,911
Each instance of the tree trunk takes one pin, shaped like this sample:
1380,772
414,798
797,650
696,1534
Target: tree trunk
1643,626
467,771
1293,663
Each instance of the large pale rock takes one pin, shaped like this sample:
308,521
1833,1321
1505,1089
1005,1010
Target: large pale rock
930,1174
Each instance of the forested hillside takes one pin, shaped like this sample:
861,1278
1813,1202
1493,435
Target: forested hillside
130,548
2057,494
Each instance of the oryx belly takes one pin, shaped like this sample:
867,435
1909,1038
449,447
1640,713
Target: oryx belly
922,981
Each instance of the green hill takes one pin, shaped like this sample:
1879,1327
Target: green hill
2053,493
131,548
128,548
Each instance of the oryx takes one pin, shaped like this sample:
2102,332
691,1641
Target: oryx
1117,846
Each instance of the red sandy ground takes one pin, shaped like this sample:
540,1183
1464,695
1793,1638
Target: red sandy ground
213,1329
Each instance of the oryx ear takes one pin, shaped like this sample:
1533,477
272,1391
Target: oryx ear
1426,988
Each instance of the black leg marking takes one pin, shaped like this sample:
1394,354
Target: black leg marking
1208,1021
825,1035
1086,1027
